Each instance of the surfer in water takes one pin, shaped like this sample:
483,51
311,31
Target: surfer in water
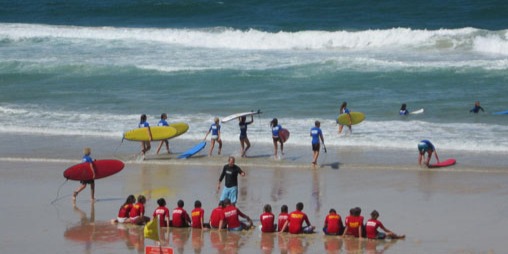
426,146
476,109
403,110
87,159
244,140
145,145
163,122
215,130
345,110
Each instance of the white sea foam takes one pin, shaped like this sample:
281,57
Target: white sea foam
378,134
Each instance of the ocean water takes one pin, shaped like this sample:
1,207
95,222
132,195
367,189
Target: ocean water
90,68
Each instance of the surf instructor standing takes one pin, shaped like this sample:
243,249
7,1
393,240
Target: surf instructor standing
230,171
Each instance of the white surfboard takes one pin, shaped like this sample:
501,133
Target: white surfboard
420,111
235,116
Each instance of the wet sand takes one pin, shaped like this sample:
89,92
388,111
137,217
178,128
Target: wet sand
461,209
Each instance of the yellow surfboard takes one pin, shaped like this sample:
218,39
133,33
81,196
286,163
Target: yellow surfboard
180,127
158,133
356,118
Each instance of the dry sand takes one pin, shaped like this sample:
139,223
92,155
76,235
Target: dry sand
461,209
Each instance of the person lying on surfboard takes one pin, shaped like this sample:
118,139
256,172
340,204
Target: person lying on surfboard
345,110
86,159
426,146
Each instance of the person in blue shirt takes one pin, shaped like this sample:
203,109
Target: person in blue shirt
163,122
145,145
345,110
215,130
403,110
476,108
276,127
244,140
317,136
426,146
87,159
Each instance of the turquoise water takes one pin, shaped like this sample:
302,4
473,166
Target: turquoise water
91,68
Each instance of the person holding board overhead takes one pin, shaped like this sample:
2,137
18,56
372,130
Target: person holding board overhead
215,130
426,146
276,128
345,110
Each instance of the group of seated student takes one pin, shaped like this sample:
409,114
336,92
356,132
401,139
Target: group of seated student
227,216
355,227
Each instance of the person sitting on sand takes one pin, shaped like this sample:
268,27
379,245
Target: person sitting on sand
232,217
197,216
217,217
137,213
354,223
123,212
426,146
373,224
282,218
87,159
181,218
267,220
333,223
162,213
295,221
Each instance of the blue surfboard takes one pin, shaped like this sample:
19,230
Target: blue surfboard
501,113
192,151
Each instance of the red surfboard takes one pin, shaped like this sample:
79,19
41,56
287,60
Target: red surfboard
284,135
103,168
445,163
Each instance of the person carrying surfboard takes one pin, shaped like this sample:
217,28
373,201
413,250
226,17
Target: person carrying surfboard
345,110
276,128
215,130
163,122
145,145
244,140
426,146
87,159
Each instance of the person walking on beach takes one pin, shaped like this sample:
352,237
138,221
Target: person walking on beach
476,109
145,145
317,136
244,140
276,128
163,122
87,159
230,171
295,221
345,110
426,146
373,224
215,130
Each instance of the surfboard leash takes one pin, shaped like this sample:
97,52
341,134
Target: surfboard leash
58,192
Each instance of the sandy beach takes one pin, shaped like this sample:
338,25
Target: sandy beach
461,209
